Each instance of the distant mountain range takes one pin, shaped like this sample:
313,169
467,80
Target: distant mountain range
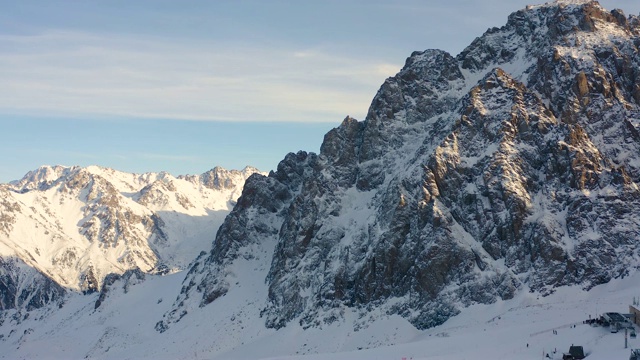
70,227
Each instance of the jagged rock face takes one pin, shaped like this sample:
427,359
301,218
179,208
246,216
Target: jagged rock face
74,227
254,222
510,167
127,279
25,288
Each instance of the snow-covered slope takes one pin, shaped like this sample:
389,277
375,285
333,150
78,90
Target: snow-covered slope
77,225
230,328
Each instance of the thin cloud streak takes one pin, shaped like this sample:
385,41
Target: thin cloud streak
166,157
78,74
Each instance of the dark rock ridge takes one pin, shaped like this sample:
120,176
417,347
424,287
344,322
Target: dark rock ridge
24,288
111,282
513,166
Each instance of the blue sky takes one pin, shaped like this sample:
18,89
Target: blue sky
183,86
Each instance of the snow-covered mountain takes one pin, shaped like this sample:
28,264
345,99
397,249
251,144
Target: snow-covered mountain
501,183
70,227
513,166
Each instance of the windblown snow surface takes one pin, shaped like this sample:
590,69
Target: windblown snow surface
231,327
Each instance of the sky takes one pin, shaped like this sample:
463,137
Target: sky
183,86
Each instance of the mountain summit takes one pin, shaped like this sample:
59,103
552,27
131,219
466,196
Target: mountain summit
513,166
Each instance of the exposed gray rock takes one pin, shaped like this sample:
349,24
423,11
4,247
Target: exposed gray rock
23,288
125,280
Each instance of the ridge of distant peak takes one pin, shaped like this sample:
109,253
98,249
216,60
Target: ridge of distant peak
564,3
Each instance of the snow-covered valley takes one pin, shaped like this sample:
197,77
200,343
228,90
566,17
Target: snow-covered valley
231,327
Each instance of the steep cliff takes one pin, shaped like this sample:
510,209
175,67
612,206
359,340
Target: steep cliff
510,167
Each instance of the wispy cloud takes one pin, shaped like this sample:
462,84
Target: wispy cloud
166,157
80,74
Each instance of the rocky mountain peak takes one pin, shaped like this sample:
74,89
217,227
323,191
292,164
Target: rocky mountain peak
473,177
42,177
536,29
